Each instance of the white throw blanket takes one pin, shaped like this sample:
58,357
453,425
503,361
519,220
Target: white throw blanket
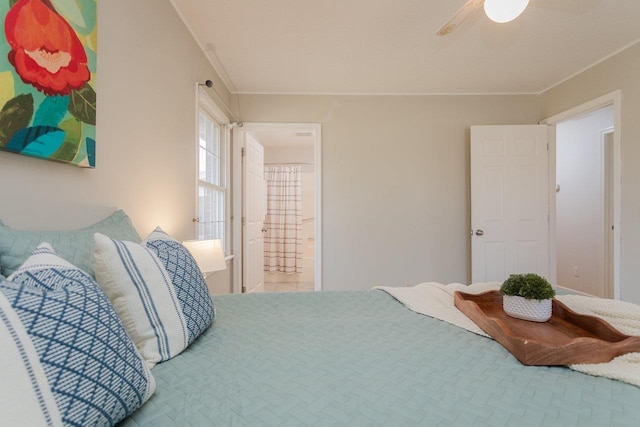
436,300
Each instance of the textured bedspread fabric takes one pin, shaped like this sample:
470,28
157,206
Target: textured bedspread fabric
437,300
360,359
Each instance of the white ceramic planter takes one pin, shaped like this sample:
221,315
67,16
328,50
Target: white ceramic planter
527,309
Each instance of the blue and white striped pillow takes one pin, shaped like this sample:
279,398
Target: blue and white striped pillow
66,358
142,294
191,289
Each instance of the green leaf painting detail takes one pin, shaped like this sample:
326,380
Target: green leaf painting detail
81,14
83,104
21,139
12,2
15,115
91,152
51,111
45,145
73,135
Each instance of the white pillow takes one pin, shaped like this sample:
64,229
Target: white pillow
23,376
142,294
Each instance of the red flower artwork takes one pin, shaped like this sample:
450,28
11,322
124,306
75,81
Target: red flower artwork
45,50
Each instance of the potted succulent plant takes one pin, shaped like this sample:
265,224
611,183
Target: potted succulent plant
528,297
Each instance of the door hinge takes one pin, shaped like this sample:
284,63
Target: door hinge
244,220
547,146
244,289
244,152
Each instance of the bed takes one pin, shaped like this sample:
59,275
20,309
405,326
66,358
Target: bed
362,358
308,358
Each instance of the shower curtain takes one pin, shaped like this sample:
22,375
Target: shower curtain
283,239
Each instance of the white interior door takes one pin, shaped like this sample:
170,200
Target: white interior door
253,215
509,201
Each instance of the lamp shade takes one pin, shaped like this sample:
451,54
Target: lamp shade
208,254
502,11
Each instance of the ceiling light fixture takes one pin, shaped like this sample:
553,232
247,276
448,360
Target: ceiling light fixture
502,11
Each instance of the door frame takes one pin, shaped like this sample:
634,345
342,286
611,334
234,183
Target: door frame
236,218
612,98
607,192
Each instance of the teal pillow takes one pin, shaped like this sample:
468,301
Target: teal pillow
75,246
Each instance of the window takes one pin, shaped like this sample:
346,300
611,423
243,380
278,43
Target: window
213,195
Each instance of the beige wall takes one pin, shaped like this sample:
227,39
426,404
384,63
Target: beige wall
622,72
289,154
395,179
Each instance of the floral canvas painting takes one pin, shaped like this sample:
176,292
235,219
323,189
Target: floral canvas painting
48,55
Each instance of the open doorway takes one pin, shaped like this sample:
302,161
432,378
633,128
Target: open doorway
290,204
585,200
584,203
289,238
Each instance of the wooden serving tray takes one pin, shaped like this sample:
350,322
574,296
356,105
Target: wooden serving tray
567,338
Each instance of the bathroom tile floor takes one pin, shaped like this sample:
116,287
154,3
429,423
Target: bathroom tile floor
288,287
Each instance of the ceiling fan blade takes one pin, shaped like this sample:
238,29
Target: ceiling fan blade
467,9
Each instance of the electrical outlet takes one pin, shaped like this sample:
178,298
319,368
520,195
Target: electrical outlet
576,271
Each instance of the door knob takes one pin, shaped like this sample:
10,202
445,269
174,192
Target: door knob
264,229
479,233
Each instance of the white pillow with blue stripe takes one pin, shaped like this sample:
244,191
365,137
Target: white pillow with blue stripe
142,294
66,358
188,281
25,395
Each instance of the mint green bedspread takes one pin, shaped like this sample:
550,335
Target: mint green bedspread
363,359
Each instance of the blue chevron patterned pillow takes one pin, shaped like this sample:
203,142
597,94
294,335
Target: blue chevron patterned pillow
191,289
66,357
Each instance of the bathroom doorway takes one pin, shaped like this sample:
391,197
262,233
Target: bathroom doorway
292,205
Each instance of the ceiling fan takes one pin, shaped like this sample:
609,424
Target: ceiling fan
497,10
